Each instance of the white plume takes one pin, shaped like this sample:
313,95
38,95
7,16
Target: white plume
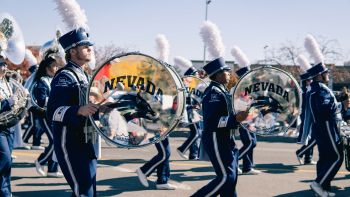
312,47
183,63
162,47
73,16
240,57
30,58
303,63
210,34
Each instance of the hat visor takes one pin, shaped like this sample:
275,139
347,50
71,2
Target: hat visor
226,68
325,71
85,43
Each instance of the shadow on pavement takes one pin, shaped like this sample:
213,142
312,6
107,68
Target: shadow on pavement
337,190
196,169
41,184
22,165
277,139
13,178
272,139
122,185
51,193
276,168
120,161
342,192
181,177
298,193
346,177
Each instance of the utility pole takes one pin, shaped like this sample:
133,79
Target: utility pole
206,18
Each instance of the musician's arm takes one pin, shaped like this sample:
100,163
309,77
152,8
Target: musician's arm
63,92
41,93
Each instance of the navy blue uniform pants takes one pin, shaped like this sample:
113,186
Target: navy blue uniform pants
159,162
33,130
307,151
224,160
77,162
5,164
192,142
246,152
330,160
30,129
46,156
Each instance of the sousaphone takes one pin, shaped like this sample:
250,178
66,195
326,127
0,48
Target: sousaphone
12,47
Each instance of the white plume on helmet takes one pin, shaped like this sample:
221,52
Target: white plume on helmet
162,45
211,37
303,63
313,48
240,57
74,17
30,58
182,63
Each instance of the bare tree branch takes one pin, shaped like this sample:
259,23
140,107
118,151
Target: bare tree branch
103,53
288,52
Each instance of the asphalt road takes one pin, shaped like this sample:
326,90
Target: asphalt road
282,175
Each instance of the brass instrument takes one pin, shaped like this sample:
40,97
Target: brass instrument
12,47
20,96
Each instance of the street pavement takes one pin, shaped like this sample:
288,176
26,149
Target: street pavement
282,175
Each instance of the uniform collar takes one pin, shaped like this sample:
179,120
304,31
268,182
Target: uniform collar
73,64
221,86
316,84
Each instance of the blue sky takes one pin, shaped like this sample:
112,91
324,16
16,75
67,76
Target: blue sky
249,24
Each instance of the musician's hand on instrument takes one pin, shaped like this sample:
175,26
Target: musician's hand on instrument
241,116
88,109
12,100
198,107
104,108
26,92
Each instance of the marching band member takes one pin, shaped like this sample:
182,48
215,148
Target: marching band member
6,134
31,129
218,142
18,137
308,143
47,69
324,112
217,137
248,138
345,99
192,142
12,49
161,160
68,112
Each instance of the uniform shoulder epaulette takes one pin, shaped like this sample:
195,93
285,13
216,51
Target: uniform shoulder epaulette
70,74
46,80
65,77
216,89
323,86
